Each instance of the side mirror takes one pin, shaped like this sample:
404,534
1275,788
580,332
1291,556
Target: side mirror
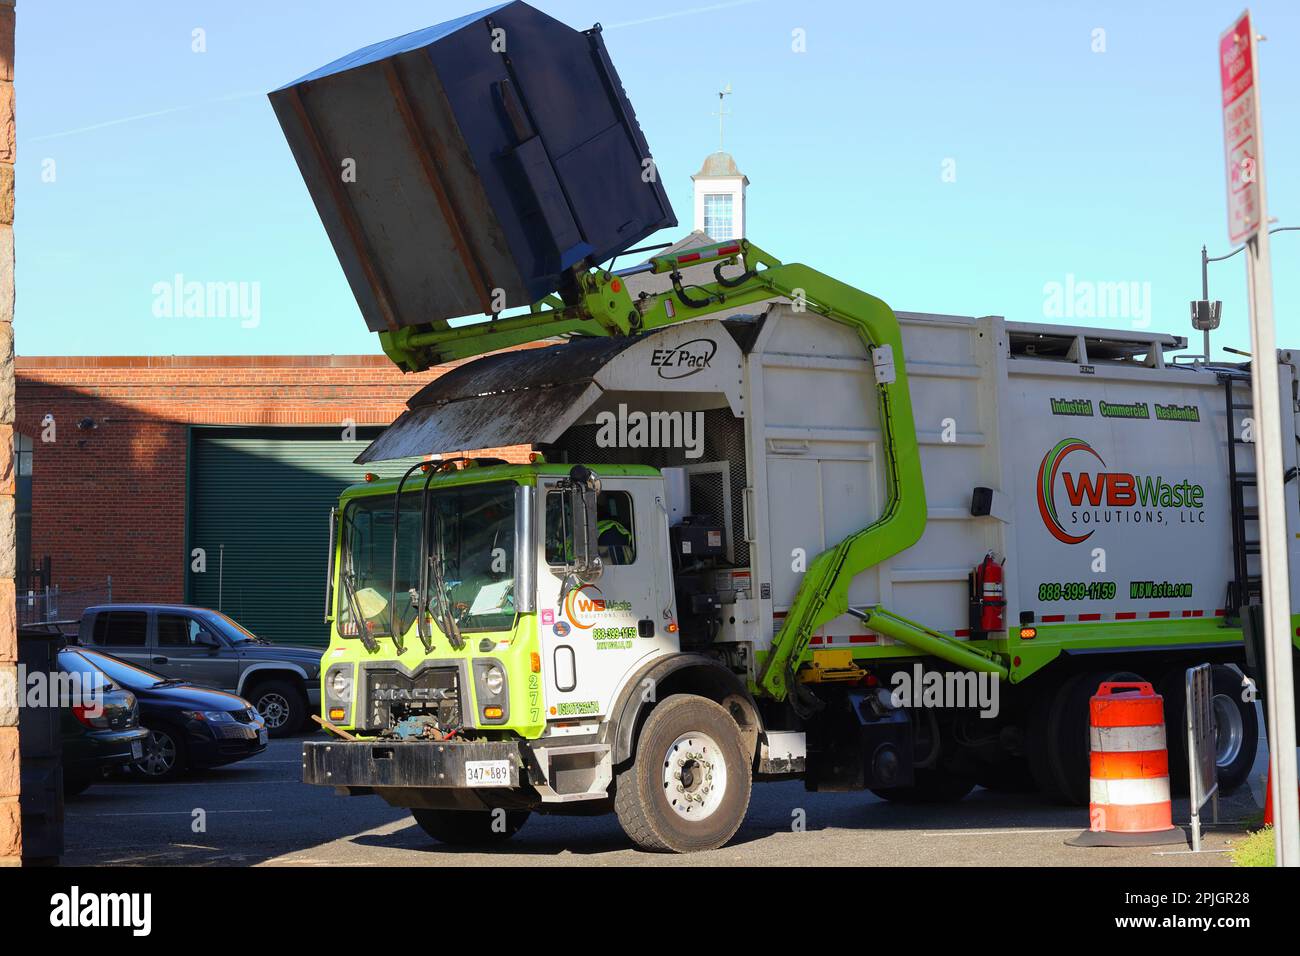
207,639
584,486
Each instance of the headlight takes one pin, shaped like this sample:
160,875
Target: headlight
339,684
494,679
212,716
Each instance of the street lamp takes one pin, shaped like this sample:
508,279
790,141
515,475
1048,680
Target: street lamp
1206,313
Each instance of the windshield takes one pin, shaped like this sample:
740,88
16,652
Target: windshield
232,630
477,524
128,675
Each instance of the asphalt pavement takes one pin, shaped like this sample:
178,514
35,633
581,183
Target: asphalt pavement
259,812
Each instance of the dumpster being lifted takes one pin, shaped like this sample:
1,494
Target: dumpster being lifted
767,514
469,167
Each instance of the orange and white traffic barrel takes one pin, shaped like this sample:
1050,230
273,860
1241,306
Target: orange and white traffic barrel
1129,775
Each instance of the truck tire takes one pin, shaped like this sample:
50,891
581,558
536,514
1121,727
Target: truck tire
687,788
281,705
470,827
1059,746
1236,727
931,786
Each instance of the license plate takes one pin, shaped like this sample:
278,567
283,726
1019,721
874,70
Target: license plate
487,773
137,749
261,736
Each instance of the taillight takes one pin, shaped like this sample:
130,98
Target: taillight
92,717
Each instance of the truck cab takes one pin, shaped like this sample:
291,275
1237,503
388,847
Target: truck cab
498,631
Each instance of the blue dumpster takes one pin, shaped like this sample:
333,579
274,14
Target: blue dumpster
472,164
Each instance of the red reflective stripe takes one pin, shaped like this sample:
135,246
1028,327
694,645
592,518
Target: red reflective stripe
1125,615
1131,765
1157,614
1053,618
1090,617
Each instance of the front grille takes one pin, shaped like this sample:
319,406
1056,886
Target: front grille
391,696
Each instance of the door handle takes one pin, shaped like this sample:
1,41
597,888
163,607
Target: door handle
160,660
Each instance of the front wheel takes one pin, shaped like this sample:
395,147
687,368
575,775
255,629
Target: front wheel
470,827
164,756
281,706
688,787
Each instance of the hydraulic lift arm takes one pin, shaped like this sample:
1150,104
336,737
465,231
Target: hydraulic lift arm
600,304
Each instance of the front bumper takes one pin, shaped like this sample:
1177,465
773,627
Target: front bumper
405,763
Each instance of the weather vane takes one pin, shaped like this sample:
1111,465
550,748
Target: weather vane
722,113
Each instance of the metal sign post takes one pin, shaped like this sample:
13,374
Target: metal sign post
1248,219
1203,773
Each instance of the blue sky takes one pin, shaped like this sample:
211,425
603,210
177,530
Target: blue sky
1101,166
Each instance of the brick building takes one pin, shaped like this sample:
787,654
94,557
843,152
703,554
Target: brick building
192,478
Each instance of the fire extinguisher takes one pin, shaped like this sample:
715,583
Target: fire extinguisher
990,594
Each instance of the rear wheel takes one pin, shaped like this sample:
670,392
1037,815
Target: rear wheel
470,827
281,705
688,787
1236,727
1058,740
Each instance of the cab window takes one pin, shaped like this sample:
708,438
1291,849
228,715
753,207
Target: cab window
615,528
178,630
120,628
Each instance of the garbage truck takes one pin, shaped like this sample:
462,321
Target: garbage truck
767,527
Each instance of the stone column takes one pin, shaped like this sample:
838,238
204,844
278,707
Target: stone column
10,820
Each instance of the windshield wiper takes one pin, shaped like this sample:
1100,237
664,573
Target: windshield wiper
349,589
443,606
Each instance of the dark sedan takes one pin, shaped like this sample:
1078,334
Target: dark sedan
100,725
190,728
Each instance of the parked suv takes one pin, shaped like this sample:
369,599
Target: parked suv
205,647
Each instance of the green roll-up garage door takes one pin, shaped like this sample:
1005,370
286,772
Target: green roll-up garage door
259,503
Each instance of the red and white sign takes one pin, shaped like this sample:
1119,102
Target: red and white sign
1240,128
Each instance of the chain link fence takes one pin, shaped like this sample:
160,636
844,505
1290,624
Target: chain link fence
52,603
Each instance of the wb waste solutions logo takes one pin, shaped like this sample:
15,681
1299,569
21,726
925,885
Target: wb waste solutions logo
1094,496
586,607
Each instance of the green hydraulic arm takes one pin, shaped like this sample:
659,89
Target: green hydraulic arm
599,304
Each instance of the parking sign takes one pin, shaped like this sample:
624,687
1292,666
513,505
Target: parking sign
1241,128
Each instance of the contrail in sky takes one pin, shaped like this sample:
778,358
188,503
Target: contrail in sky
239,96
681,13
141,116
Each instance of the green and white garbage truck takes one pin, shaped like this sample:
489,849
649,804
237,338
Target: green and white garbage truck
771,528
